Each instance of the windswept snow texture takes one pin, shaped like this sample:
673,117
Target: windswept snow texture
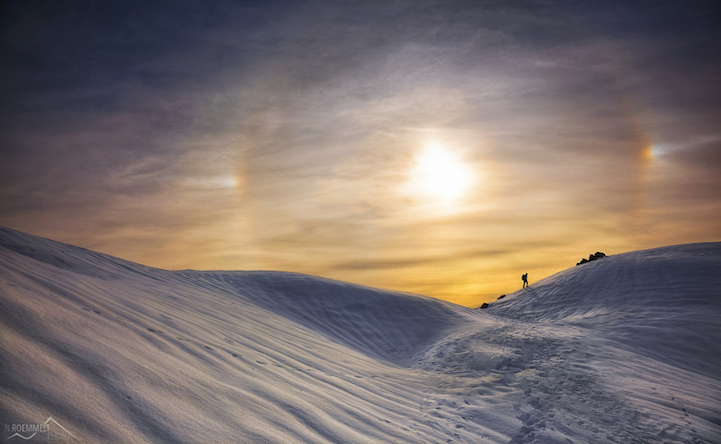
625,349
664,303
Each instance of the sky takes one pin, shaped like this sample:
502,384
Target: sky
435,147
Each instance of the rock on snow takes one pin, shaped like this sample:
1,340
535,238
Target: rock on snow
627,349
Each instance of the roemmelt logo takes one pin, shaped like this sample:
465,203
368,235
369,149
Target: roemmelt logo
48,431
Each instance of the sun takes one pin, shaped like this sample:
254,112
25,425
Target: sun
439,173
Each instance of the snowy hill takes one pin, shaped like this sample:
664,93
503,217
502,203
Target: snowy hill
379,323
663,302
114,351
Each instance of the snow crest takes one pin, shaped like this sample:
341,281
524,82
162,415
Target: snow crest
118,352
664,302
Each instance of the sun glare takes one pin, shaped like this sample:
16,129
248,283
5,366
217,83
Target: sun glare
440,173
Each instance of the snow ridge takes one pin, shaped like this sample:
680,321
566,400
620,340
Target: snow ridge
120,352
664,302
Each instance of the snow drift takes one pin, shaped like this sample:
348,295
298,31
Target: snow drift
114,351
663,302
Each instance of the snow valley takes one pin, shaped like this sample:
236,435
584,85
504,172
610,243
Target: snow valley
624,349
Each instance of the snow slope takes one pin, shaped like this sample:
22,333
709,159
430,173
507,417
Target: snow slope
120,352
664,302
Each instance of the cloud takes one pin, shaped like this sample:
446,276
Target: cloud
156,131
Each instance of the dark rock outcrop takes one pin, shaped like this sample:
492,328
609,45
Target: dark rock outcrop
592,257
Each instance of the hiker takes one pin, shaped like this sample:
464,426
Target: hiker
525,280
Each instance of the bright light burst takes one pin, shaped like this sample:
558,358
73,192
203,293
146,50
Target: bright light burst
440,174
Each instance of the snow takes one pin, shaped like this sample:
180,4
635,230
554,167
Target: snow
622,349
663,302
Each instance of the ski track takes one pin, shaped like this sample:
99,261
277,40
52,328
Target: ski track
119,352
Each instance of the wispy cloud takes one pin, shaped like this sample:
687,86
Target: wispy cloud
281,135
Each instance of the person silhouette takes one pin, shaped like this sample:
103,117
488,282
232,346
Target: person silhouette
525,280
